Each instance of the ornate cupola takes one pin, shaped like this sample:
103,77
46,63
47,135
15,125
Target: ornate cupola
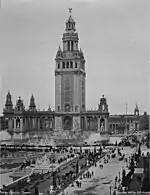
136,111
103,106
19,105
49,108
32,106
8,104
70,24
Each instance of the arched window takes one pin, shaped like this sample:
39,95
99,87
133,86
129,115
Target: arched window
71,64
58,65
68,45
18,123
103,107
76,65
67,65
76,108
71,45
63,64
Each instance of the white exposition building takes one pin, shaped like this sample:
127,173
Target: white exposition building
70,100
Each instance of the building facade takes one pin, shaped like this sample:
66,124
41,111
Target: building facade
70,100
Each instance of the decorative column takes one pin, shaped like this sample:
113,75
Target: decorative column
89,123
51,123
21,123
25,123
85,122
38,121
10,124
106,124
98,119
14,123
33,121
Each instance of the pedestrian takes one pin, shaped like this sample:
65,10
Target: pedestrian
92,173
80,184
36,191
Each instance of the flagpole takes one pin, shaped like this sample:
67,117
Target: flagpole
126,119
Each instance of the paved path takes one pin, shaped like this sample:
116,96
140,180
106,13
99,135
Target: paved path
102,178
63,169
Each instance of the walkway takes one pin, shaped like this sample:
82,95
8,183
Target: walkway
102,179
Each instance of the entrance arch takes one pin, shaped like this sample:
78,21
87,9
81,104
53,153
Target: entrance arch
102,124
67,123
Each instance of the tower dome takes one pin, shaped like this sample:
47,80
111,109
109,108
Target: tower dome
70,24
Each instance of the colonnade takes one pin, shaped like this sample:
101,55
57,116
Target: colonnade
33,123
99,123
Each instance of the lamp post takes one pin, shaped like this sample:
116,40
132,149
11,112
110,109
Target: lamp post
126,129
53,179
110,189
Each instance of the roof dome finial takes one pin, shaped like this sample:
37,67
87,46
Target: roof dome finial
70,24
70,10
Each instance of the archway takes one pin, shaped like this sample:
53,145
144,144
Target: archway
67,123
102,124
18,123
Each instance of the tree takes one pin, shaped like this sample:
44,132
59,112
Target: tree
124,178
36,191
148,140
139,151
132,165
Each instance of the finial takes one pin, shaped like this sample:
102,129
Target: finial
70,10
59,49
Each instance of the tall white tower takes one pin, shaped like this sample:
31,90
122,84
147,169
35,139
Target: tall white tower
69,79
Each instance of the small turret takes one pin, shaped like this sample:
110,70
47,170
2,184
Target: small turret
136,111
32,106
103,106
19,105
8,103
59,53
70,24
49,108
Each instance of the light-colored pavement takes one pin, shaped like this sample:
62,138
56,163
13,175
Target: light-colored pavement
102,179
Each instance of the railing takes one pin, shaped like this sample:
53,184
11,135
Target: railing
24,179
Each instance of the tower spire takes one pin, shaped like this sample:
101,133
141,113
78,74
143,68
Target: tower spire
32,105
70,24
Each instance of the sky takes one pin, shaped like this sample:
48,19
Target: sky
113,36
